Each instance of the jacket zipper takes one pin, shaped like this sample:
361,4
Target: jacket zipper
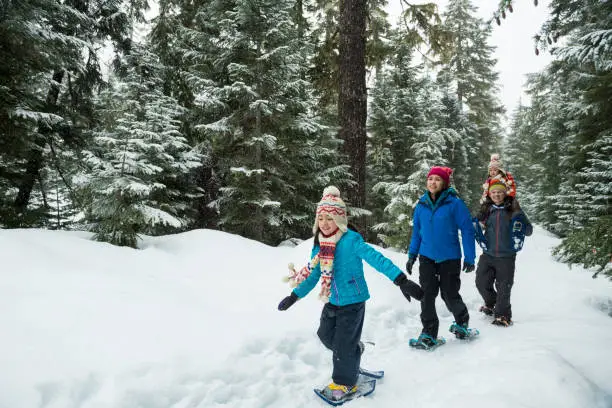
497,235
337,293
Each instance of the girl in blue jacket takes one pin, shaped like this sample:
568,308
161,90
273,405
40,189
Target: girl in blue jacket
437,218
336,261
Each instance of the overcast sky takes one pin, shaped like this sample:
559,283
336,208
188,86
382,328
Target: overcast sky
515,51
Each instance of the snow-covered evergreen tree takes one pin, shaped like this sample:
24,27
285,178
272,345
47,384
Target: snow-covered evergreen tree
49,72
407,120
140,161
566,133
274,155
470,66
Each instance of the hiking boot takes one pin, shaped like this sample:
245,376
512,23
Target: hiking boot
486,310
460,330
502,321
337,392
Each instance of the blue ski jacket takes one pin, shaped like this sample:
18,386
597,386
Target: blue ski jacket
348,283
435,225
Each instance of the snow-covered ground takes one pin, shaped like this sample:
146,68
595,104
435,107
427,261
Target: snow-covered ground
190,320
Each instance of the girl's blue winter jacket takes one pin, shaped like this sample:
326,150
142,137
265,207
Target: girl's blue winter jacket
434,230
348,284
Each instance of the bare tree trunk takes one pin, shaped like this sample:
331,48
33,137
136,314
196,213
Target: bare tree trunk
352,98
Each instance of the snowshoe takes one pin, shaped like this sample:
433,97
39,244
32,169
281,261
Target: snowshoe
486,310
502,321
426,342
335,394
371,373
463,332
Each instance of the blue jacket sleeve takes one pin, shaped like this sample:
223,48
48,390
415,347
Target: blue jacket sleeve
464,221
310,282
415,240
375,259
528,226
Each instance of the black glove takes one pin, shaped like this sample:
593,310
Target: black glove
468,267
287,302
408,287
409,264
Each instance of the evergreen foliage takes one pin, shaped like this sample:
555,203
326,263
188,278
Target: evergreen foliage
139,163
566,133
411,129
226,115
469,67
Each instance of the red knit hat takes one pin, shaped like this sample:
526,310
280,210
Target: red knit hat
443,172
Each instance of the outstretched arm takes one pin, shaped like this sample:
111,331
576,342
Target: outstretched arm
384,265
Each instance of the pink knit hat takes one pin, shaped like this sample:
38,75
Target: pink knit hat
443,172
496,161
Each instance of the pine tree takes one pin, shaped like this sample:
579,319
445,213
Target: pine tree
469,64
566,133
259,114
407,107
140,160
49,73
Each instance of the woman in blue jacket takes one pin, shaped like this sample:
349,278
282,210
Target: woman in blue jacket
438,216
337,262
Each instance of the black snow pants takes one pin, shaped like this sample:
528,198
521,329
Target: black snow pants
496,271
340,331
445,277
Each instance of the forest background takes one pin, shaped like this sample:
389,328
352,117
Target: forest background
233,115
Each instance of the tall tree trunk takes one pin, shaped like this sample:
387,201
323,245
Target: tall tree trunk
352,98
35,159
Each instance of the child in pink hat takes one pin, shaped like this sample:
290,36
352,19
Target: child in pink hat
496,172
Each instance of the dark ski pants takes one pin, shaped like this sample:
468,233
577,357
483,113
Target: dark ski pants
340,331
443,277
496,271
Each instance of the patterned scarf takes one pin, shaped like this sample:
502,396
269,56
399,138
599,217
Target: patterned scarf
325,258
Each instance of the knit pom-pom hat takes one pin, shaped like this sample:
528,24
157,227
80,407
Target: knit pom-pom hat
443,172
331,204
498,184
496,162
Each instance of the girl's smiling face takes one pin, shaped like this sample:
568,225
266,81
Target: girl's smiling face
326,223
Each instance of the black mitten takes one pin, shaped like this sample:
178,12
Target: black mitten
410,264
468,267
409,288
287,302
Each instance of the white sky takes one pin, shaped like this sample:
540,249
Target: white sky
190,320
514,41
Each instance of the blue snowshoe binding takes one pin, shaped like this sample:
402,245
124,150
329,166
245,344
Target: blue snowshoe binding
462,332
426,342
